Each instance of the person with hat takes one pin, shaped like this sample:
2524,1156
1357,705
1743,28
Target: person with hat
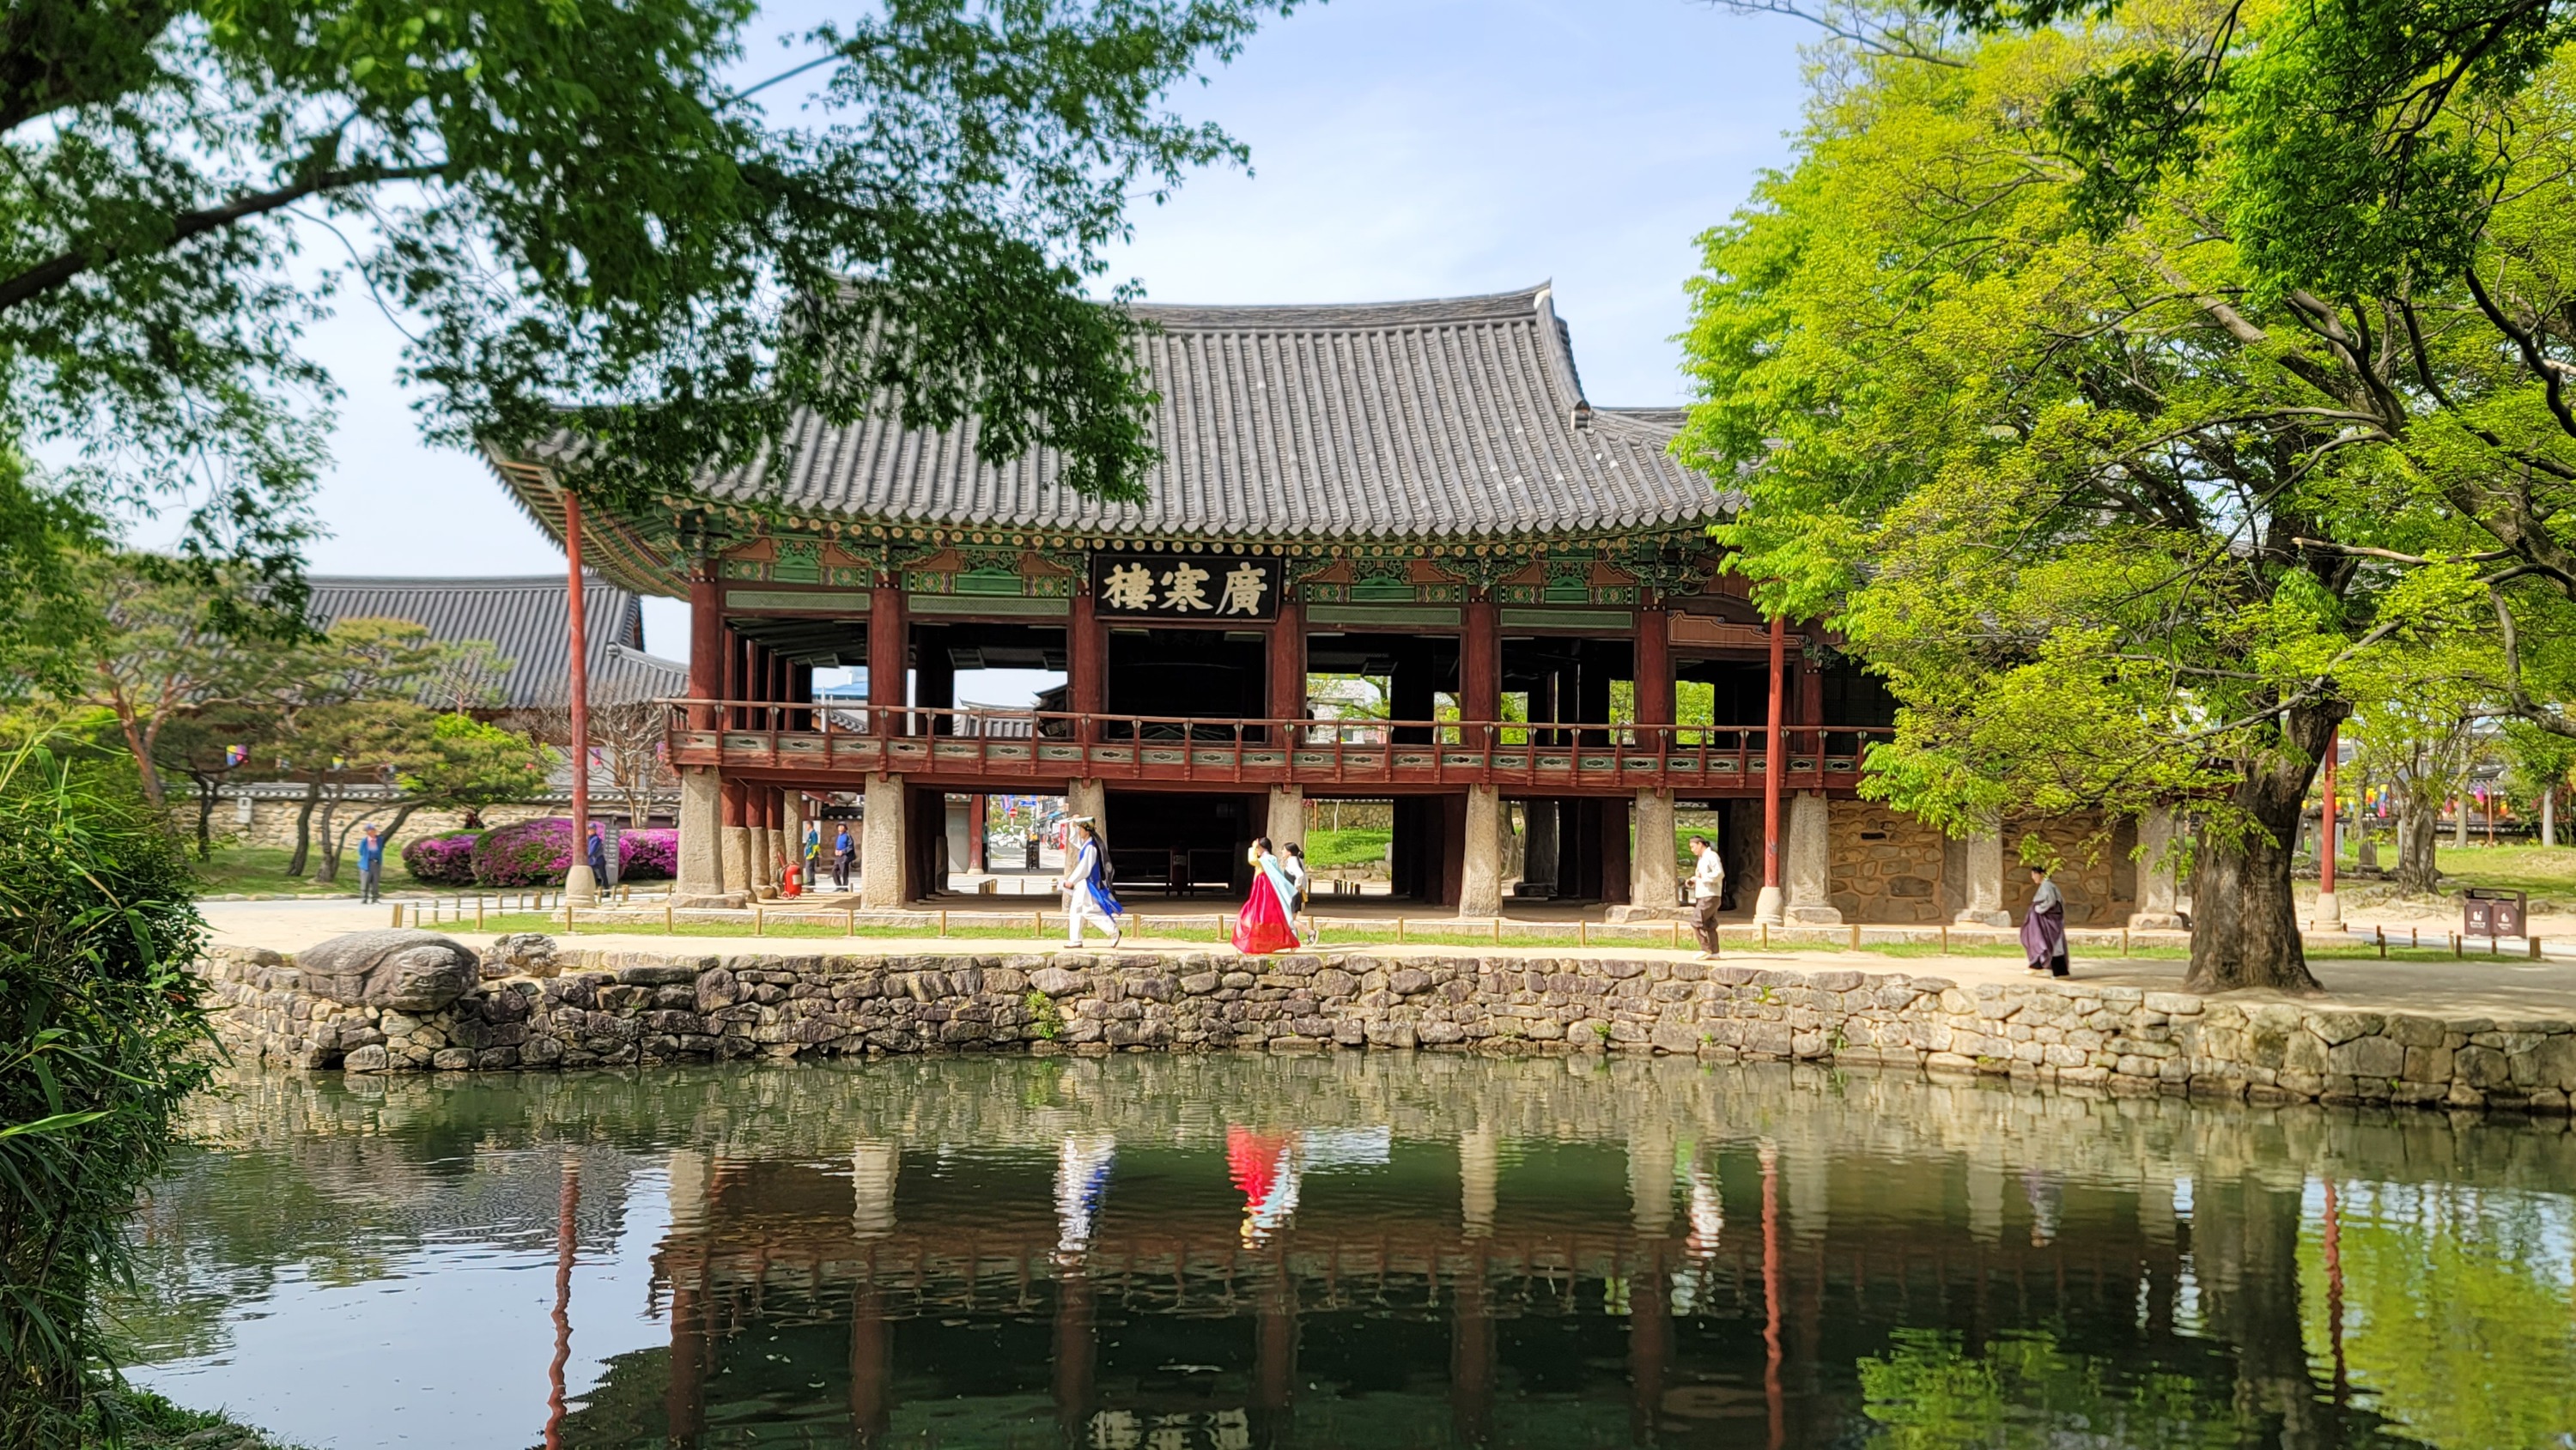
1085,884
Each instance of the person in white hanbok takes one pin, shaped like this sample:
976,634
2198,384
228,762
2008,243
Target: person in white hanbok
1085,885
1292,864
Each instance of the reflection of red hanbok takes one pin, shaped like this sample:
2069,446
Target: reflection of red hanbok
1265,1170
1262,927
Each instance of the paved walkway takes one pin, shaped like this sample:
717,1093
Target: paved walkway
2506,987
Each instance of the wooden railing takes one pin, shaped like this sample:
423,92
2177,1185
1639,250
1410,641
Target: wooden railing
845,740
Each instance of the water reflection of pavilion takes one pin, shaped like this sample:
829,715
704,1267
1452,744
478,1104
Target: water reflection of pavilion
1689,1323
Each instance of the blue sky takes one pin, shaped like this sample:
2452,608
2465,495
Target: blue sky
1400,148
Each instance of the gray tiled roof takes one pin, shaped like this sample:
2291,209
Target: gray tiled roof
1440,419
523,618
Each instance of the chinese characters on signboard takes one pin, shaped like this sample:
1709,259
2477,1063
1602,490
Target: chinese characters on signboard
1185,586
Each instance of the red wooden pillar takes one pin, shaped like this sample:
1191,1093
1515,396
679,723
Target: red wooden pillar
684,1402
576,599
975,808
1650,1343
1480,667
1774,759
1287,699
2326,824
706,642
755,685
1077,1354
889,659
871,1367
1086,666
745,684
1654,670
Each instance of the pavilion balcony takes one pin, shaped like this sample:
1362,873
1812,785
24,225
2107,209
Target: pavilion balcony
822,744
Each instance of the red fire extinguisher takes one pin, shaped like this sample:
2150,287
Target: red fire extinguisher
790,886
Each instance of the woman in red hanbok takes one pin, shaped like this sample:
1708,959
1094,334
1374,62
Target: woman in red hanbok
1263,927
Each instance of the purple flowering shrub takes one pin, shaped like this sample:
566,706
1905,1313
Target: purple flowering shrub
531,853
538,853
446,860
648,855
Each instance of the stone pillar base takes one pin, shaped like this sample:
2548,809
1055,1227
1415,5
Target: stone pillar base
881,863
722,901
1767,906
737,858
701,823
1088,798
1654,878
1816,915
2157,921
1982,918
1287,818
580,887
1480,889
2329,910
1631,912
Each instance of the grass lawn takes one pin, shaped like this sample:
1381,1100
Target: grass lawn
2548,871
261,871
1357,846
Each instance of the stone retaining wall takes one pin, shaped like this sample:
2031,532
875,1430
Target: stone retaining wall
603,1008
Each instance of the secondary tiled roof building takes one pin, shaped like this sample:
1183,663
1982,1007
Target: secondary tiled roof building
524,619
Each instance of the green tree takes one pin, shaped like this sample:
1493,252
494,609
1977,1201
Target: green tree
583,214
210,744
102,1039
2539,764
459,763
2390,179
2426,743
1927,1392
2094,502
350,712
47,537
160,650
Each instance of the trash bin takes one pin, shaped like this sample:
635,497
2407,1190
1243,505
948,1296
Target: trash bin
2489,913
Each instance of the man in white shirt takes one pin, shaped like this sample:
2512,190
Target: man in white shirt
1708,885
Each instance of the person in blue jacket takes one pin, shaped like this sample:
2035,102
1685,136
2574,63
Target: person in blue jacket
371,863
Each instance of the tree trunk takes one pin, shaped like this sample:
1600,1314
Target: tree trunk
2460,821
326,871
304,829
2418,827
402,815
2245,1246
2244,919
206,788
140,745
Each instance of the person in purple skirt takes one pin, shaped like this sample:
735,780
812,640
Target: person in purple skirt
2043,929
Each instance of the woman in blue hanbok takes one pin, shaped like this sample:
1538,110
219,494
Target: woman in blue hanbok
1086,887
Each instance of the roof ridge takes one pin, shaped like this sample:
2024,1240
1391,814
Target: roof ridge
477,581
1343,316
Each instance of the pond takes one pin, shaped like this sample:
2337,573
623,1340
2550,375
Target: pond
1357,1250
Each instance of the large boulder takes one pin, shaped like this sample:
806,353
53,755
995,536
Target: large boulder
409,971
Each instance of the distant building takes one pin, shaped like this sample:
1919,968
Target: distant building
523,617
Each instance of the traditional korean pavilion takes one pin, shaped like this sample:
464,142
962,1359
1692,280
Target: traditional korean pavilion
1417,491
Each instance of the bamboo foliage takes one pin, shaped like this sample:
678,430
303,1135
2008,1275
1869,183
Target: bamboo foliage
102,1036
